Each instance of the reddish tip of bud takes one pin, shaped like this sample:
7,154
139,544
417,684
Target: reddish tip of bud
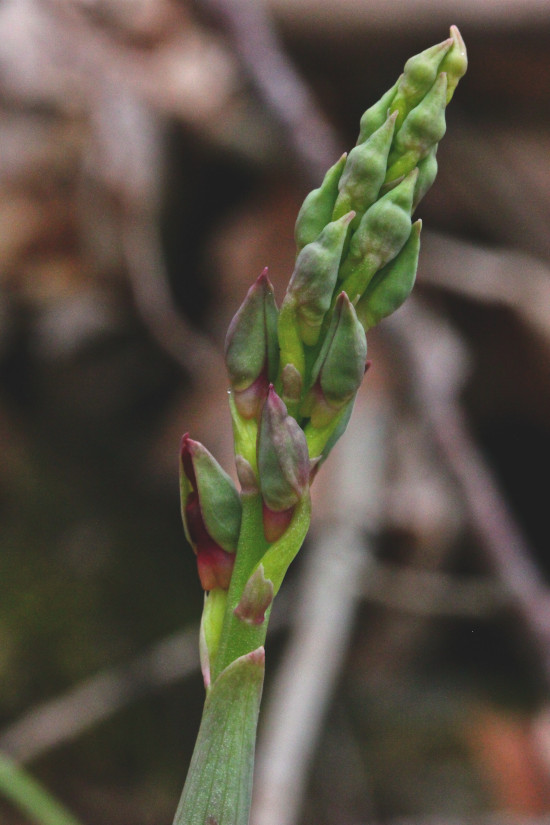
275,523
249,401
186,451
215,566
368,365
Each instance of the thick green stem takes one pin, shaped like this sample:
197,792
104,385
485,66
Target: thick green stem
238,637
218,788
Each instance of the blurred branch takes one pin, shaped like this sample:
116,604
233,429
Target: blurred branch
431,351
414,15
64,719
92,701
502,277
432,593
281,87
339,557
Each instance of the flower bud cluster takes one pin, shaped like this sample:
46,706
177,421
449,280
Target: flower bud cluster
295,371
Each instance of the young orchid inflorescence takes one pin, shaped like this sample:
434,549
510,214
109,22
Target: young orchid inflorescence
294,373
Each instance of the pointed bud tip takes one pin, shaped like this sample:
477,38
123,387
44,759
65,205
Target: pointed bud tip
457,38
342,298
187,450
275,400
263,277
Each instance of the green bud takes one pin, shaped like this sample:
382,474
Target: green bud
256,598
423,127
246,475
314,278
455,62
283,461
383,231
377,114
418,77
293,360
340,365
292,384
321,440
210,503
317,208
427,173
251,347
365,171
391,285
245,433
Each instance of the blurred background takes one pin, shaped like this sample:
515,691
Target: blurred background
153,156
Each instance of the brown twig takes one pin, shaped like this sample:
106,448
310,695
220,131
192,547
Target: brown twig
427,344
311,138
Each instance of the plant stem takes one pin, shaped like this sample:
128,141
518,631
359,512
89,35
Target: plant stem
238,637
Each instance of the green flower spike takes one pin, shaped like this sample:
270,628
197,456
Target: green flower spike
317,208
392,284
283,464
251,347
357,255
383,231
211,511
314,278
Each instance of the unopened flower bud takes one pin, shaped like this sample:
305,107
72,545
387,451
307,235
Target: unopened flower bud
211,511
318,206
251,347
418,77
423,127
283,461
365,171
455,62
292,384
256,598
314,278
382,232
392,284
340,366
